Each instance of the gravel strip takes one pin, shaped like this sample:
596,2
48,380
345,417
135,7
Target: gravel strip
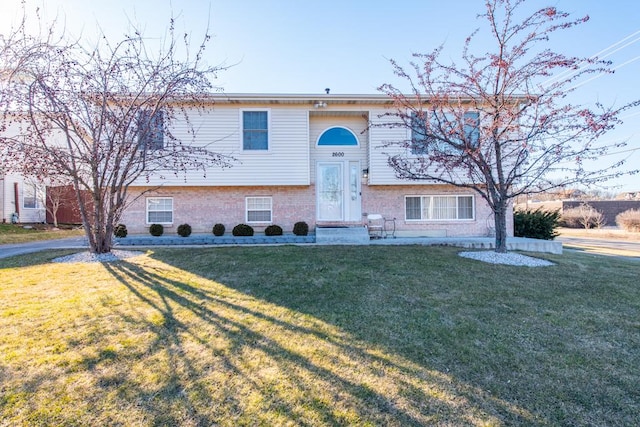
508,258
114,255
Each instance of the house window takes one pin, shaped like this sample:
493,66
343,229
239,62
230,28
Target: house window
151,130
255,130
338,136
426,137
434,208
159,210
259,209
31,197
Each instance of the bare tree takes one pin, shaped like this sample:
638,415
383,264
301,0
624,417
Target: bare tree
103,115
500,123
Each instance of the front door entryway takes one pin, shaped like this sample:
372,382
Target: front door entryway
339,193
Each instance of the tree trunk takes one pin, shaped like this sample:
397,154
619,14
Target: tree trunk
500,215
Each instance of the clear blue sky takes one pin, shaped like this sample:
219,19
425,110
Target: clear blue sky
300,46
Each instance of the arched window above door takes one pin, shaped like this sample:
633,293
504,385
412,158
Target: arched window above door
338,136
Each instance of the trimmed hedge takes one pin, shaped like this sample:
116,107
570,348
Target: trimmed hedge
301,228
184,230
536,224
273,230
120,230
156,230
242,230
218,230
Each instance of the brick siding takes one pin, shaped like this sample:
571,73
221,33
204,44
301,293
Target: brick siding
202,207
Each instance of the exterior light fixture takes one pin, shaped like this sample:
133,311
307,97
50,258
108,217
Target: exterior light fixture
320,104
365,173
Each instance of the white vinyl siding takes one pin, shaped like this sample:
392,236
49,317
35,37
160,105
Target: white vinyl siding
380,173
219,129
159,210
355,124
259,209
439,208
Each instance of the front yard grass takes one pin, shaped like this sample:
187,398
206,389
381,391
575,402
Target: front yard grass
13,233
406,335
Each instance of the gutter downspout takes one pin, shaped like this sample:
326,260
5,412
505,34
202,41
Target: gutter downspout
16,198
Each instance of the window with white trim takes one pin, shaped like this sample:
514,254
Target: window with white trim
159,210
259,209
151,130
31,196
255,130
429,129
438,208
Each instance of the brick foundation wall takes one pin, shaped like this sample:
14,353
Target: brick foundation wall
389,201
202,207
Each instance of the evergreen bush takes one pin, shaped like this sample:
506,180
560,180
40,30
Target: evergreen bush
218,230
156,229
301,228
536,224
184,230
120,230
242,230
273,230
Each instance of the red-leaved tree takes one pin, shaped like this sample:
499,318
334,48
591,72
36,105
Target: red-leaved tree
103,115
499,123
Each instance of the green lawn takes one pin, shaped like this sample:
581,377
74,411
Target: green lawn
312,336
12,233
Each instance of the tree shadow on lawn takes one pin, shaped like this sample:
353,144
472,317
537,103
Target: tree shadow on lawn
521,345
239,358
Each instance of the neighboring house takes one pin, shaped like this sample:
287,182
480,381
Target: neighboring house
312,158
21,199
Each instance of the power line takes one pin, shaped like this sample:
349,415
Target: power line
597,76
567,73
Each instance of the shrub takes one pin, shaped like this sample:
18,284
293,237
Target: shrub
120,230
536,224
273,230
584,216
184,230
629,220
218,230
300,228
242,230
156,229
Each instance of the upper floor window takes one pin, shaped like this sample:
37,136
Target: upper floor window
338,136
151,130
255,130
426,136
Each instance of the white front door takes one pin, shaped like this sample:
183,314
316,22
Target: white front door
338,185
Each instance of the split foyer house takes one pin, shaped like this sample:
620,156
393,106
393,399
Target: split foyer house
313,158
